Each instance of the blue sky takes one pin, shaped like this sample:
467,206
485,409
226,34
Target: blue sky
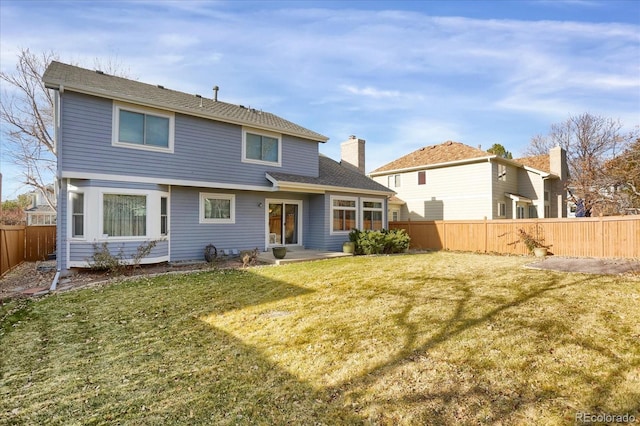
400,74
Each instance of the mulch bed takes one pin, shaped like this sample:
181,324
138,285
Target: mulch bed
35,278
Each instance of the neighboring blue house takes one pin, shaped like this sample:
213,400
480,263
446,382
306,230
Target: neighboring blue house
138,162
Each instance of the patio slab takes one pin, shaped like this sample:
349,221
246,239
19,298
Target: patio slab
299,254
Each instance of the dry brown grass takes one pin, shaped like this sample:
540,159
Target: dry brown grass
439,338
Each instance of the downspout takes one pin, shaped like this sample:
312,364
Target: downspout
58,183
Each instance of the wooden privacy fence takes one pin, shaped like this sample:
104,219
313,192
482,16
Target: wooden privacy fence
606,237
19,243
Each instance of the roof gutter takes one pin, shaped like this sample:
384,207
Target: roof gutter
320,189
435,166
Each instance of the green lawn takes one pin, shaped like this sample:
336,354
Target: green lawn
439,338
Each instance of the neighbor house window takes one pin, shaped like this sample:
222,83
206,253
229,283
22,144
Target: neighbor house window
124,215
77,214
422,178
394,181
217,208
261,148
372,214
502,209
343,212
141,128
520,212
502,172
164,217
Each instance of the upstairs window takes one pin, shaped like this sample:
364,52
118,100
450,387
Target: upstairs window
261,148
394,181
502,172
422,178
141,128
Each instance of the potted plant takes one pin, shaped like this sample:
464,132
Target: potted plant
279,252
348,247
534,243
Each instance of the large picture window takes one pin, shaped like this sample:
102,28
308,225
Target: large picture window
124,215
217,208
372,214
261,148
141,128
343,212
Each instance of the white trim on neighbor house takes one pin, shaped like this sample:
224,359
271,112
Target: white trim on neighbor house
436,166
115,133
276,136
232,208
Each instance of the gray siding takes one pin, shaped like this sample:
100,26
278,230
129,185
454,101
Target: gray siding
315,236
204,150
84,251
189,237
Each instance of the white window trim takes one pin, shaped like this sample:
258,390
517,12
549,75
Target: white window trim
117,106
502,206
219,196
70,215
376,209
502,172
300,217
355,208
261,133
150,230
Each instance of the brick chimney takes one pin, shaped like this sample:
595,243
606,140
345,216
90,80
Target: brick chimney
352,154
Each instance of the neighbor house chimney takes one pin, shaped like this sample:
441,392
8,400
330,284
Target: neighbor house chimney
558,162
558,166
352,154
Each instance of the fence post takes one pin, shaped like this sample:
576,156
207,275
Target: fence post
486,234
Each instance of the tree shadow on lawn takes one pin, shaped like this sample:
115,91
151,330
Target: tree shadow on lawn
138,352
436,382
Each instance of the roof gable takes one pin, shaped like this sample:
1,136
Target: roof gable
538,162
435,154
68,77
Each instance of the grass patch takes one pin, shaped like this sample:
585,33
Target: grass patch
435,338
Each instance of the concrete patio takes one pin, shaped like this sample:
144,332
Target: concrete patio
299,254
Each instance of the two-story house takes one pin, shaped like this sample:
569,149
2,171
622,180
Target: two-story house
40,212
139,162
455,181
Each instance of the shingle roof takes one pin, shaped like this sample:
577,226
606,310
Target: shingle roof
331,173
538,162
434,154
95,83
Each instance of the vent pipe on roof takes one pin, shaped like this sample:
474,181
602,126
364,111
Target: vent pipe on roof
215,93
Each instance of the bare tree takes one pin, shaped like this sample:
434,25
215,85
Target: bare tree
624,172
590,141
27,110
